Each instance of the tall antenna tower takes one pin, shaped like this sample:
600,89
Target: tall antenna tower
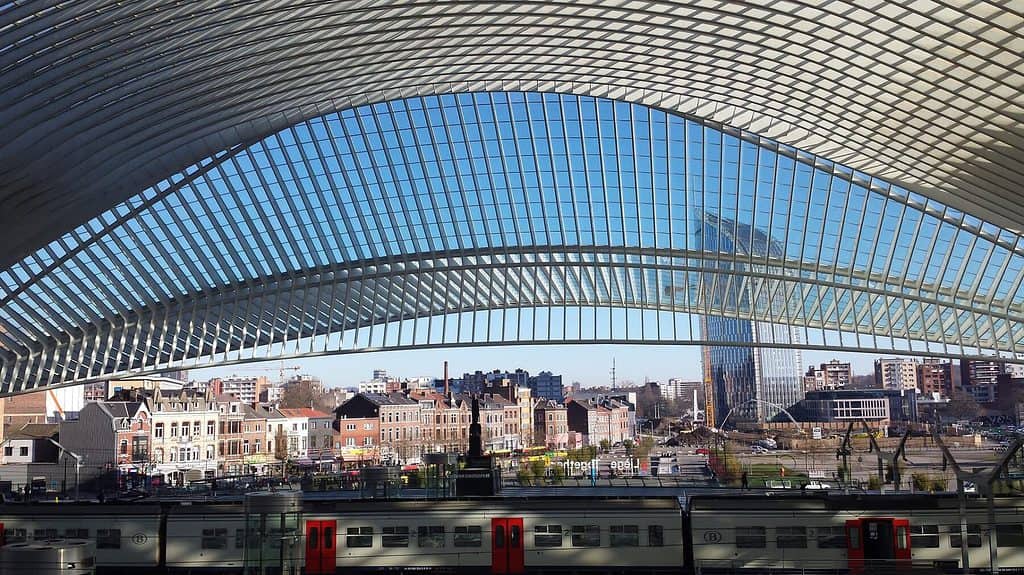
613,375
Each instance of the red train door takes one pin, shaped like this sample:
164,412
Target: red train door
854,547
877,542
901,542
2,539
320,552
507,555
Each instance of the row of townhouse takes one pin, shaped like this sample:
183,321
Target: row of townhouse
185,435
600,419
401,426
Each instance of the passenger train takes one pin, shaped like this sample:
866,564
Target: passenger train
703,534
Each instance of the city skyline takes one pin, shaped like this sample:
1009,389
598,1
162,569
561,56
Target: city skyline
634,363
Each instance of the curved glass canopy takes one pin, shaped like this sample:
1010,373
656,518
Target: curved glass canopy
503,218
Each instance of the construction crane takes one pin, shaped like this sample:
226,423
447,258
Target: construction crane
280,370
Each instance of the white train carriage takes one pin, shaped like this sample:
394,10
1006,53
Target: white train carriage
126,536
605,536
849,534
496,536
205,537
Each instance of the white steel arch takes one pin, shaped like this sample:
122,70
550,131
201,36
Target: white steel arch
505,218
103,99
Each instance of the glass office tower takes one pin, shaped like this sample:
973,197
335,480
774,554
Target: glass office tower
748,383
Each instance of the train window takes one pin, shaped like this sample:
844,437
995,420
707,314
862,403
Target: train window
239,538
924,536
15,535
397,536
108,538
430,536
832,537
72,533
547,535
586,536
359,537
275,535
655,535
215,539
973,535
1009,536
791,537
750,538
901,537
854,534
468,536
44,534
624,535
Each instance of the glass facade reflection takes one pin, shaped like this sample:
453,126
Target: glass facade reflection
507,217
748,383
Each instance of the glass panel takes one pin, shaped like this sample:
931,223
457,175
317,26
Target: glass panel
750,537
397,536
832,537
924,536
655,535
1010,535
470,536
430,536
624,535
547,535
356,537
973,535
586,536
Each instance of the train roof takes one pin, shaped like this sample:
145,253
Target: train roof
836,502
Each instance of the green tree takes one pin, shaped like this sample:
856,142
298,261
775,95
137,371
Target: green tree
586,453
921,481
524,475
606,445
537,468
873,483
645,447
557,474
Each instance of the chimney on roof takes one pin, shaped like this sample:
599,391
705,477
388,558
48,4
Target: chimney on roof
446,377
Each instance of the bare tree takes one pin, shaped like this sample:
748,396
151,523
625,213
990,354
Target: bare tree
962,405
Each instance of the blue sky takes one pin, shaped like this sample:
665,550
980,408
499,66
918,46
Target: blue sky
515,171
588,364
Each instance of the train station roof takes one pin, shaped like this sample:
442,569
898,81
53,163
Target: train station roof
167,173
